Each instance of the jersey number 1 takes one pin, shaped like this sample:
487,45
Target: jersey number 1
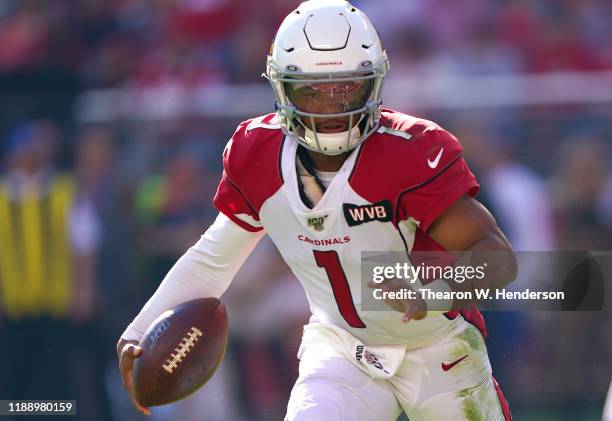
330,261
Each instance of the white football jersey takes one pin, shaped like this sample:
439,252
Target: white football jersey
384,198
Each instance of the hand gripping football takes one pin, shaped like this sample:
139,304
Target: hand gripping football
182,349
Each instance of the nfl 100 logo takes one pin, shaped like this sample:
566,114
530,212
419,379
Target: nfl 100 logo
317,222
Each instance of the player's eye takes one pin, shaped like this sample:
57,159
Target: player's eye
343,96
304,95
308,92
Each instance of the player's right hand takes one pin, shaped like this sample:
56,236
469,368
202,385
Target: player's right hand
413,309
127,352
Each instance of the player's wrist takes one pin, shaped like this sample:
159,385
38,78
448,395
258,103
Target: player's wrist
133,333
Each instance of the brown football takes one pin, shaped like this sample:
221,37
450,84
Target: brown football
181,350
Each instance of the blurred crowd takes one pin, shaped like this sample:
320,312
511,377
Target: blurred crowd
499,36
94,215
222,41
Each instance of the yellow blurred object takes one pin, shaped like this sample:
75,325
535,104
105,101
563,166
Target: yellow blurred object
35,256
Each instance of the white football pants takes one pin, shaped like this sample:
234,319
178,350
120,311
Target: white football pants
449,381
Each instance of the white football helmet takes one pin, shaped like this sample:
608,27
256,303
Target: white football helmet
327,63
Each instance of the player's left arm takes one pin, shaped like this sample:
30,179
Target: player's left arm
467,226
441,201
449,214
468,229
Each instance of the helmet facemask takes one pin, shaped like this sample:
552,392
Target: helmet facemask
330,113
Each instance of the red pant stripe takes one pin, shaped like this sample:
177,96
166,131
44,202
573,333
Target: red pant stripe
503,402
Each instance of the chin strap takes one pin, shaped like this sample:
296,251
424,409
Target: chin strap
311,188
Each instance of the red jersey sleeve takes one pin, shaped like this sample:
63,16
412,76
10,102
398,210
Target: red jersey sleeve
251,172
447,178
232,202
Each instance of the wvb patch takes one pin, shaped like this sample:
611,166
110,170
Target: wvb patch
360,214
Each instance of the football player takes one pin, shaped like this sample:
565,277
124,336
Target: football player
327,176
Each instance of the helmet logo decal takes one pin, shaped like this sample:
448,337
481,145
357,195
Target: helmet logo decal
329,63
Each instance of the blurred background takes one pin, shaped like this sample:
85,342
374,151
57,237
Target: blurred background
113,117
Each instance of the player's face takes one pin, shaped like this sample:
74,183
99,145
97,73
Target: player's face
329,98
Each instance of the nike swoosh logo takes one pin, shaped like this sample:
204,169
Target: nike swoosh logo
447,367
433,164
